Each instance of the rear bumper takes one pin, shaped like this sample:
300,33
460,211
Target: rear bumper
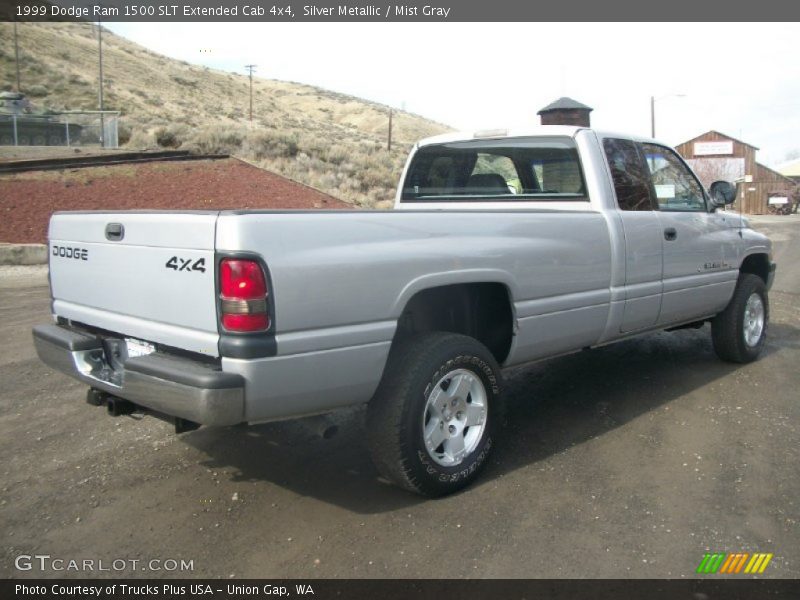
173,386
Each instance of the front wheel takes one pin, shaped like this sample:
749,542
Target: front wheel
431,424
739,331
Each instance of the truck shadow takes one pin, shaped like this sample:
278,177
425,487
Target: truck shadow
556,405
550,406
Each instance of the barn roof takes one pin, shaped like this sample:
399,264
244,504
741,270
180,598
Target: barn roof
725,135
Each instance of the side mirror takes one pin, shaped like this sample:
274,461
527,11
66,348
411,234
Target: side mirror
722,193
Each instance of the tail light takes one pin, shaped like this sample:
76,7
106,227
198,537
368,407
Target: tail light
243,295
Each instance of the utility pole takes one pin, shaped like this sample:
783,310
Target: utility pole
250,69
652,116
16,54
100,93
389,144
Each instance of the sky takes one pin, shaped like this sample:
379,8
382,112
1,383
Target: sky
742,79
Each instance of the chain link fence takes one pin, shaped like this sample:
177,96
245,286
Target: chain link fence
74,128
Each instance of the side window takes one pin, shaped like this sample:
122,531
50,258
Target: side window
675,186
630,175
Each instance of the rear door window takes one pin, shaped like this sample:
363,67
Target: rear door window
630,175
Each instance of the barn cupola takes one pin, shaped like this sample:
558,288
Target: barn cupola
566,111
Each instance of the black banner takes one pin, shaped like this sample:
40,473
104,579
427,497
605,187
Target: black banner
424,589
411,11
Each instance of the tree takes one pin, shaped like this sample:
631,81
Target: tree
709,170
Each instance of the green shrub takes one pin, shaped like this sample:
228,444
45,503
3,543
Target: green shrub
123,133
192,83
140,139
336,155
268,143
75,79
37,91
216,139
171,136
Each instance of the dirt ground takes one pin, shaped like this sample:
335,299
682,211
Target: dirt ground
627,461
28,199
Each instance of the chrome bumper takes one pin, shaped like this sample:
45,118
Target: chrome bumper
170,385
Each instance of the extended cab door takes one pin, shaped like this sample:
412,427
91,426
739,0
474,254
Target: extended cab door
699,246
642,230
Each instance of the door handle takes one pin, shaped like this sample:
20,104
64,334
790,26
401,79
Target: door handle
670,234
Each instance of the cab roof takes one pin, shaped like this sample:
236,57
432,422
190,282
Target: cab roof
520,132
501,133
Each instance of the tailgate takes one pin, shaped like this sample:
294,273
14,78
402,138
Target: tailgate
146,275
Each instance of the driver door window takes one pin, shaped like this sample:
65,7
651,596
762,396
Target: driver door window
675,187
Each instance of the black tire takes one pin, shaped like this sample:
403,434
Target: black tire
728,330
397,413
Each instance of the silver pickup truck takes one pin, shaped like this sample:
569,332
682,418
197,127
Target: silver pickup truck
504,247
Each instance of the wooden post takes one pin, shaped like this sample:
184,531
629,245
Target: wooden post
16,54
250,69
100,98
389,144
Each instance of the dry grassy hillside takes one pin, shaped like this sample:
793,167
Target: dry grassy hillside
331,141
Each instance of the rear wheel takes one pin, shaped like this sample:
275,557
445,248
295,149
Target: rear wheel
739,331
431,424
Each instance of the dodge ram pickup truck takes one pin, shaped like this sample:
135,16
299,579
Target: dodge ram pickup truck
505,247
